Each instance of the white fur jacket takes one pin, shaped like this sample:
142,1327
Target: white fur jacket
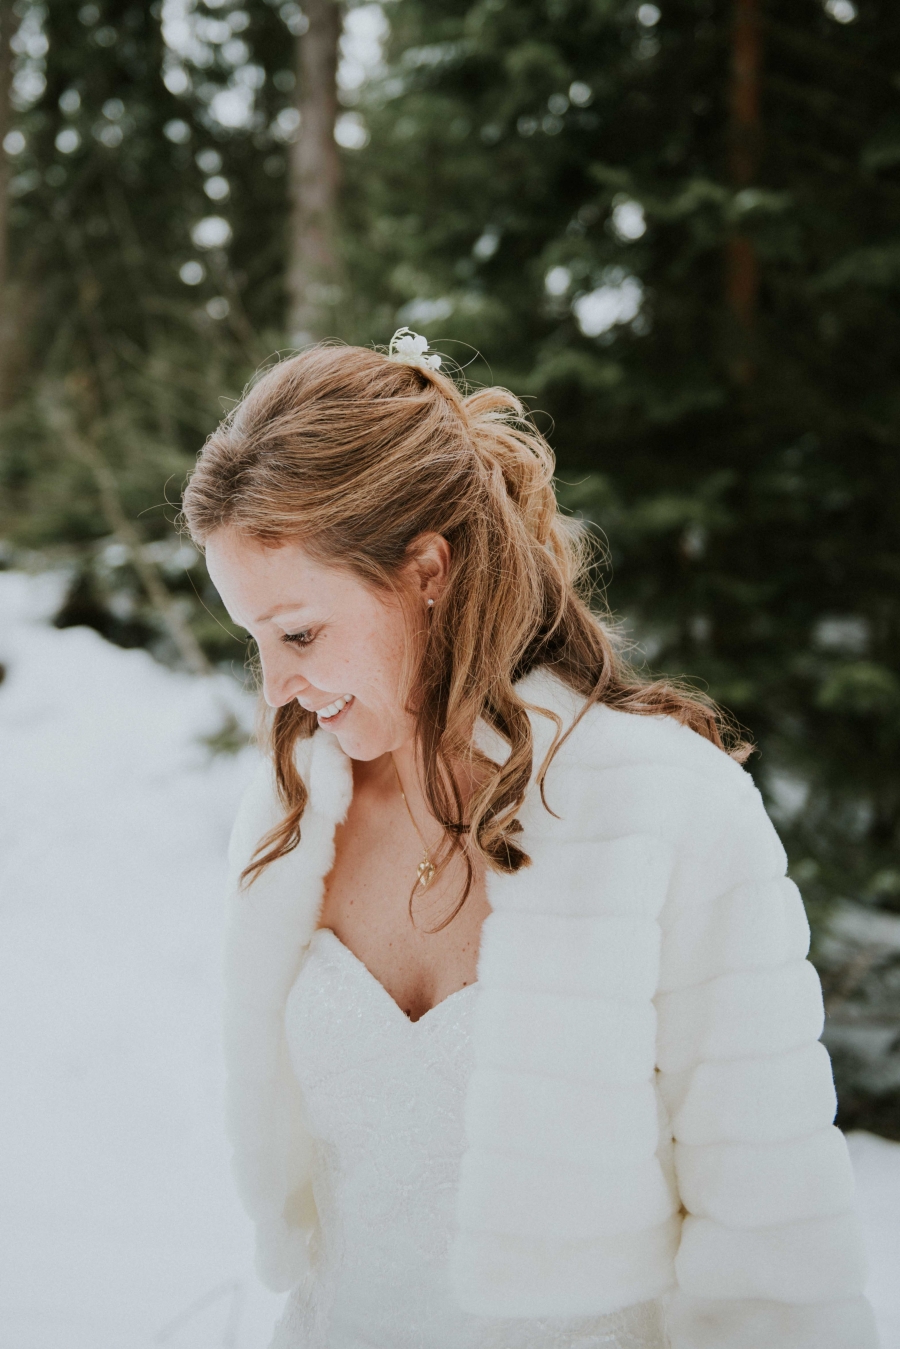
650,1112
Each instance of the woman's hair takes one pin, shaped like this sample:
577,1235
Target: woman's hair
354,455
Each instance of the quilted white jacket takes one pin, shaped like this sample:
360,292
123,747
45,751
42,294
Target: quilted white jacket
650,1113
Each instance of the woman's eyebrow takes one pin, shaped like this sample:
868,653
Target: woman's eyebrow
281,609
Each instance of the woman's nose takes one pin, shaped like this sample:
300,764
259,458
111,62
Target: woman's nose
281,684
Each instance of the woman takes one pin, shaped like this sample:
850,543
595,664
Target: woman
522,1040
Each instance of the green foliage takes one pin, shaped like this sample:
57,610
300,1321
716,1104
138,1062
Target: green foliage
107,194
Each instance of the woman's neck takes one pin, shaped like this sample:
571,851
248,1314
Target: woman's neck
405,763
380,775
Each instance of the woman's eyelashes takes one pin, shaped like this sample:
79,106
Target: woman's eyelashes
304,638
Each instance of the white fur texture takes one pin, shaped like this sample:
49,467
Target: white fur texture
645,1047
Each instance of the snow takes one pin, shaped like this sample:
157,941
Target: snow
120,1227
877,1165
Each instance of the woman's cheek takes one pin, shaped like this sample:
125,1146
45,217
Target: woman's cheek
329,675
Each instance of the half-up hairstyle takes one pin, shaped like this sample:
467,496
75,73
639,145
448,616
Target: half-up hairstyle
354,455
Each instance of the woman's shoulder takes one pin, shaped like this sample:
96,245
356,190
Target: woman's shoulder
615,738
622,776
604,739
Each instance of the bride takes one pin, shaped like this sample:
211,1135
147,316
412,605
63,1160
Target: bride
522,1041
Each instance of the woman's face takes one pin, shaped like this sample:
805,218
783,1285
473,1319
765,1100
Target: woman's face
327,639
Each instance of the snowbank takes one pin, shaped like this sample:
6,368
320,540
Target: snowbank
120,1227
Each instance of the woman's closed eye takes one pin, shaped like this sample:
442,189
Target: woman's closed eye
304,638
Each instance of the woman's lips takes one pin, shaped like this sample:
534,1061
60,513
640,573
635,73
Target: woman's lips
329,714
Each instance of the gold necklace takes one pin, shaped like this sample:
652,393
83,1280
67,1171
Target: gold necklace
425,869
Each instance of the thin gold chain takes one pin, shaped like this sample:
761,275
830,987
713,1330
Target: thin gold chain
426,867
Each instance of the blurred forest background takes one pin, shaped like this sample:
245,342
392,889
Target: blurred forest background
674,228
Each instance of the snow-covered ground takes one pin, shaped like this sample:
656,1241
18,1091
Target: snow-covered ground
119,1228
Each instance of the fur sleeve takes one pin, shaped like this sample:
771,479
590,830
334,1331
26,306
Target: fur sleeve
268,927
770,1253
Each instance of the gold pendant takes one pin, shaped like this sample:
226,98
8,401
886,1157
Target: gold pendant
425,871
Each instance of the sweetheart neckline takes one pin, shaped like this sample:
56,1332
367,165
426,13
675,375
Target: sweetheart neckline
467,988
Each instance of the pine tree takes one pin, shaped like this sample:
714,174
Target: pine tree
119,371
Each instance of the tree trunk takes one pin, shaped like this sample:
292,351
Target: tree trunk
8,325
742,266
313,267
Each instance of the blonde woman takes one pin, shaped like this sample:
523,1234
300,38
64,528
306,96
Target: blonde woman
522,1041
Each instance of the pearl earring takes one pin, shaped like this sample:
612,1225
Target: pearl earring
431,604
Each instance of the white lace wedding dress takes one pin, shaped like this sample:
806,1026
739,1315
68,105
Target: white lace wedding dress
384,1100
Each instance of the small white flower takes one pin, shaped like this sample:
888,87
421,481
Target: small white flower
412,348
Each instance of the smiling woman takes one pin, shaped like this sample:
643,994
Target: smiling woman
622,1135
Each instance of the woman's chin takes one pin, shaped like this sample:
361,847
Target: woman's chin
366,734
358,745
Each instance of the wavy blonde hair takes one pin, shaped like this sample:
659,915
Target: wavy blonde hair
355,455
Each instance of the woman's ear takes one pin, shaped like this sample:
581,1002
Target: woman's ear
429,556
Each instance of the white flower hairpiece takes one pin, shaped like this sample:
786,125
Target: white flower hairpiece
412,348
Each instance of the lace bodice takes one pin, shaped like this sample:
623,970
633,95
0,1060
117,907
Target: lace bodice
384,1103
